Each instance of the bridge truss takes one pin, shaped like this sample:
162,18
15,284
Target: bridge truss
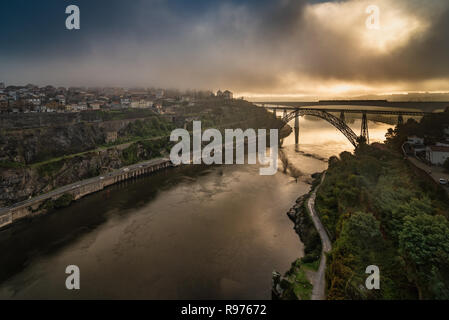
338,123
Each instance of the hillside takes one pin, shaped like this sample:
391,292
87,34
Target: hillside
379,210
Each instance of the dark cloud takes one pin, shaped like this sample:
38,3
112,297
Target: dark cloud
330,55
281,46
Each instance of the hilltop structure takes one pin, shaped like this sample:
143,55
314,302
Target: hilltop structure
227,95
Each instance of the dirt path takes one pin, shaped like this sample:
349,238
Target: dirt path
319,282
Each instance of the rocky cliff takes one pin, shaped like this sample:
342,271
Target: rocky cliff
27,146
17,184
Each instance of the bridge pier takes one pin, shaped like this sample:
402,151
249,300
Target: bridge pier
400,120
342,116
364,131
297,127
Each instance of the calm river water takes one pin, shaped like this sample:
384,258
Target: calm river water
186,233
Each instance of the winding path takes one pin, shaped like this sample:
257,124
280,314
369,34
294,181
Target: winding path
319,283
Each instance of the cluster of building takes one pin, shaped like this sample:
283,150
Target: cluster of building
435,154
31,98
227,95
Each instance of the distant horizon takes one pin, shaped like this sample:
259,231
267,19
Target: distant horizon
415,96
297,49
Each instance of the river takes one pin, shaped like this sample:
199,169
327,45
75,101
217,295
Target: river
194,232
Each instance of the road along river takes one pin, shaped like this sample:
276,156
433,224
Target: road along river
192,232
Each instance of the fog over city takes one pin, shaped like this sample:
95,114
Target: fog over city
254,48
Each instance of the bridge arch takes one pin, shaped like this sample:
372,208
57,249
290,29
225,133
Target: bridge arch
333,120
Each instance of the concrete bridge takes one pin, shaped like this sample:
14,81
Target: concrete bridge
292,112
80,189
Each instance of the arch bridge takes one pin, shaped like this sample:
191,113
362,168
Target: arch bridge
290,113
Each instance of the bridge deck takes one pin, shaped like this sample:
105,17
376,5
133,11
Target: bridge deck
368,111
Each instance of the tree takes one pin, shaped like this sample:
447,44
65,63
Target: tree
362,230
333,161
424,244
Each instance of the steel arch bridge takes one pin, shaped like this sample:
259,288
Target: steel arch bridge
338,123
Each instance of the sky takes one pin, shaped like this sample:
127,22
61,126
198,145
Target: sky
255,48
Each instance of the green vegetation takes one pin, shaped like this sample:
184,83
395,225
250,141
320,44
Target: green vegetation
229,114
380,211
146,129
424,244
145,150
62,202
310,238
11,165
46,144
50,168
153,127
431,127
295,284
109,115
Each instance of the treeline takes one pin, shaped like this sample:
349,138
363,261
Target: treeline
380,211
123,114
145,150
218,113
431,127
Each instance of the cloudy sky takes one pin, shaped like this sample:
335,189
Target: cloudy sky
253,47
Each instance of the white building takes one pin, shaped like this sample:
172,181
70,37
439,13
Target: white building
125,102
415,140
141,103
35,101
94,106
442,144
437,155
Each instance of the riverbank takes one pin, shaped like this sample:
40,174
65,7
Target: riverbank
221,222
375,205
62,197
35,161
298,282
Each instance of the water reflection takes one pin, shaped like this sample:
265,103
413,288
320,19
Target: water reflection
322,140
187,233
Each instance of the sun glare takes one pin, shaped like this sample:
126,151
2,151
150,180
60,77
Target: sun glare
396,26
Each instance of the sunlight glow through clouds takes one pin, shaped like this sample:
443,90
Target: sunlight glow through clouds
254,48
347,19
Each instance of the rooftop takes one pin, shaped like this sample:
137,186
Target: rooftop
439,149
